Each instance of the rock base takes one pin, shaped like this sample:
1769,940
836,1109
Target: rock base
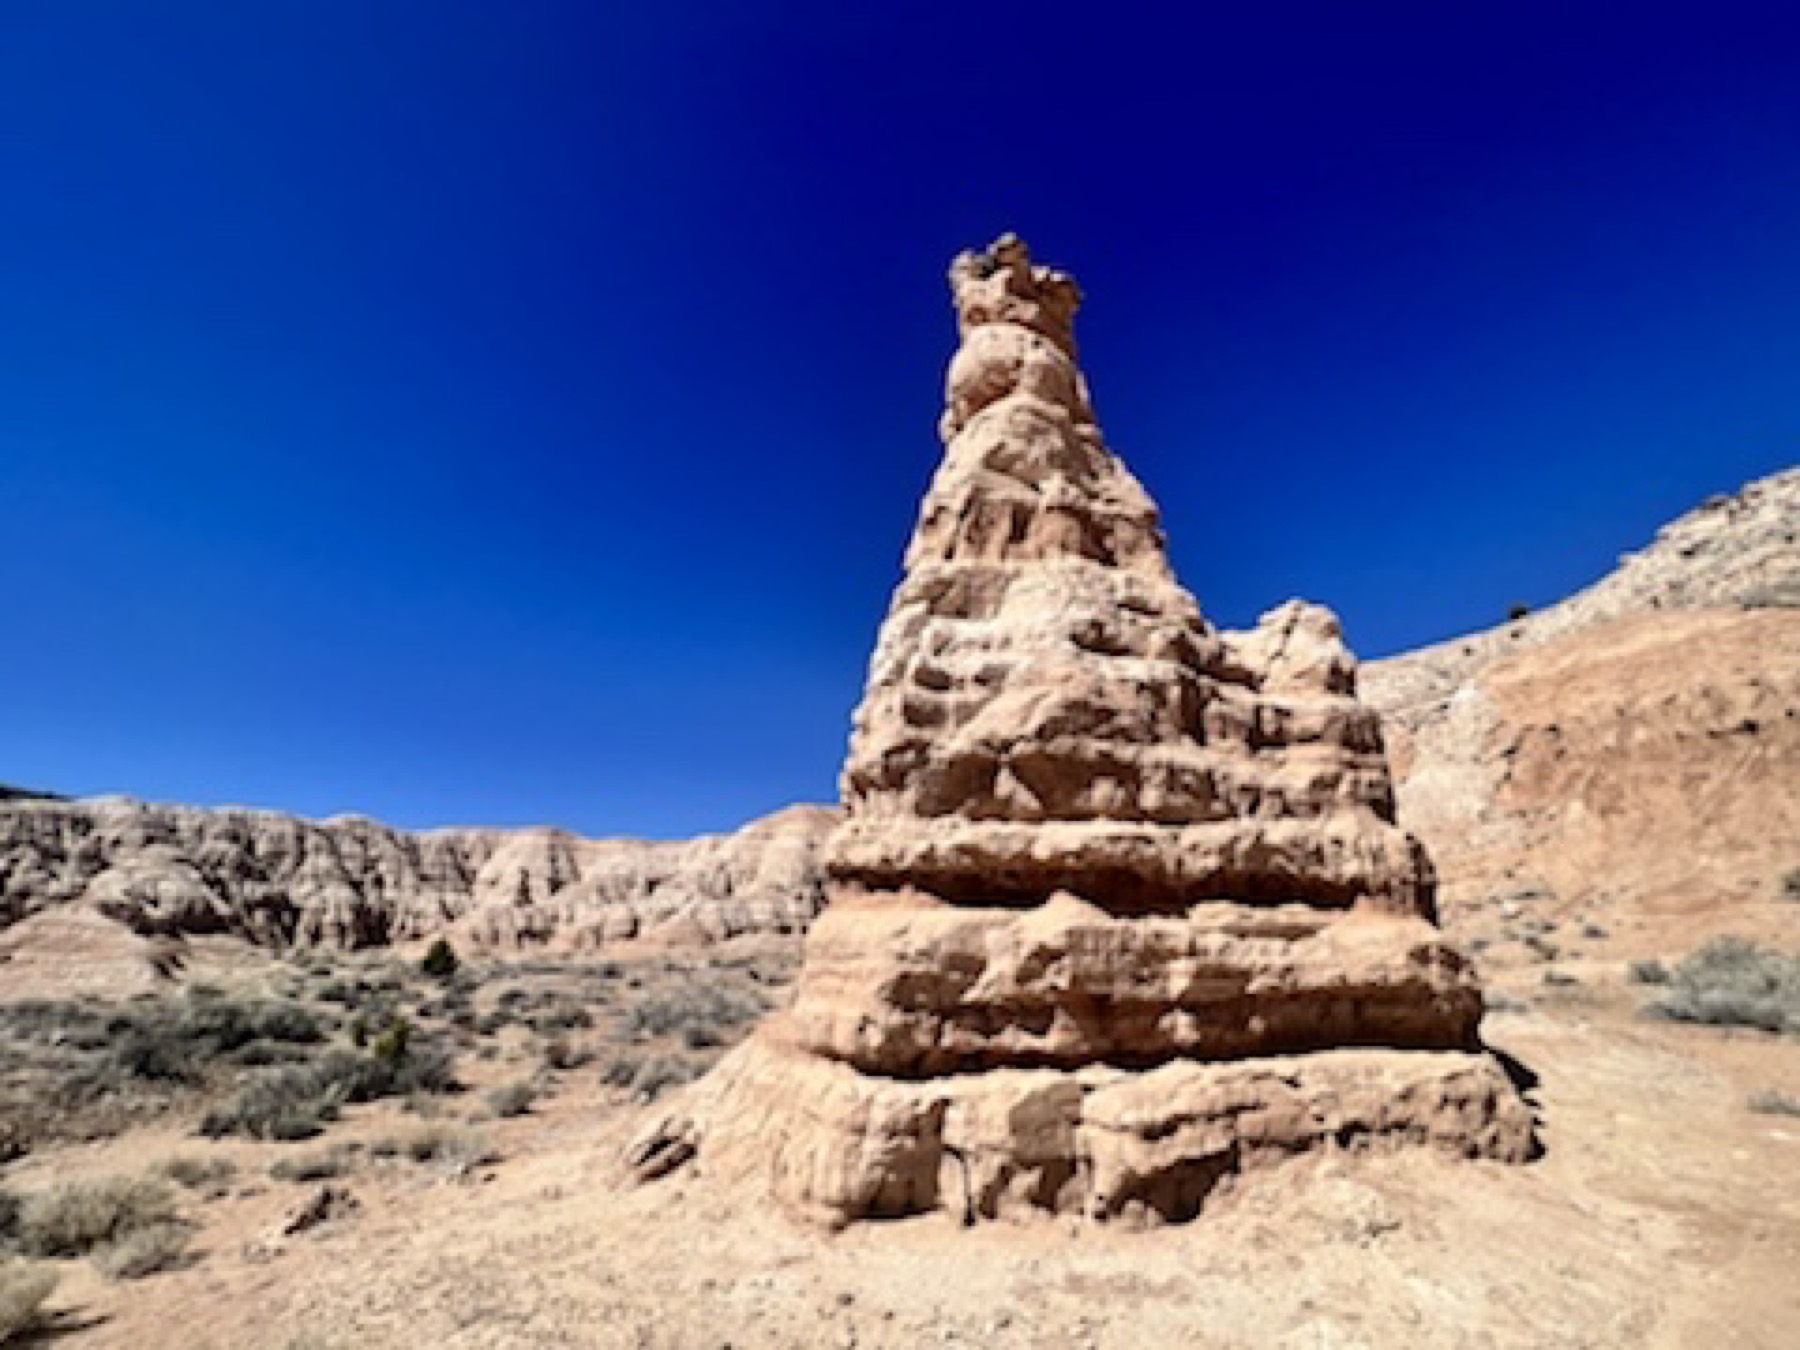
1141,1148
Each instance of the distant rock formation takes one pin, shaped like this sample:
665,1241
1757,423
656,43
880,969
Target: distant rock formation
1118,906
281,881
1738,551
1625,760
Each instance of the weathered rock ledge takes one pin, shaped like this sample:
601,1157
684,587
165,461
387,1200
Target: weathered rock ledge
280,881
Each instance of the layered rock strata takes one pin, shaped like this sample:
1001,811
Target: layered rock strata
1118,906
280,881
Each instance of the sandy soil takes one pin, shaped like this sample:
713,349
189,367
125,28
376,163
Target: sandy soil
1661,1215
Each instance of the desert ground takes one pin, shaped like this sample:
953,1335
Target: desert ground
1658,1215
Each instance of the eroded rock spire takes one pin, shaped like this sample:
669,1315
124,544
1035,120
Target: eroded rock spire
1119,905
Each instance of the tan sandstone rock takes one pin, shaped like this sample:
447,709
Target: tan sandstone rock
348,882
1118,906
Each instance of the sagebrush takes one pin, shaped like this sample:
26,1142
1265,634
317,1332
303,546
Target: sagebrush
1731,982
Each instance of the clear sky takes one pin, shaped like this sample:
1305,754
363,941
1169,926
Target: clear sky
515,412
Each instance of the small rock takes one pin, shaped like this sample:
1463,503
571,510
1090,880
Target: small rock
325,1205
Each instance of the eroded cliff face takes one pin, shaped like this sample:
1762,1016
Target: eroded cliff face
1625,760
1118,906
281,881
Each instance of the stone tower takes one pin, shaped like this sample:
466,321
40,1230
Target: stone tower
1119,906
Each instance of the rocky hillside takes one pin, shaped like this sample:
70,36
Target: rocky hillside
1632,751
349,882
1628,761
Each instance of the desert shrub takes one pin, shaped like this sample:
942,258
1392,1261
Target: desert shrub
1542,947
10,1205
53,1020
449,1145
78,1216
512,1099
1730,982
1517,610
178,1043
298,1102
319,1165
660,1073
1772,1103
560,1016
491,1024
15,1141
1647,972
1790,884
649,1076
391,1044
440,961
699,1014
23,1289
562,1054
619,1070
284,1105
207,1175
144,1251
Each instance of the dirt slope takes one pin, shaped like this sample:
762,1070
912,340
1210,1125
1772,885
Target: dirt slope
1628,760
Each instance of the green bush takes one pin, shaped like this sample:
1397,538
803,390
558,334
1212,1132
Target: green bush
78,1216
440,961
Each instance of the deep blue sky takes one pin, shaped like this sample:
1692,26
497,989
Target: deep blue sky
515,412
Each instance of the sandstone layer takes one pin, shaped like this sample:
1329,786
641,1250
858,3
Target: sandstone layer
1118,906
279,881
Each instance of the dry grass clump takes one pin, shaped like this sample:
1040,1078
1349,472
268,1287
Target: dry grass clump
649,1076
144,1252
76,1217
208,1176
1769,1102
23,1289
702,1016
127,1226
1734,983
321,1164
451,1146
512,1099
